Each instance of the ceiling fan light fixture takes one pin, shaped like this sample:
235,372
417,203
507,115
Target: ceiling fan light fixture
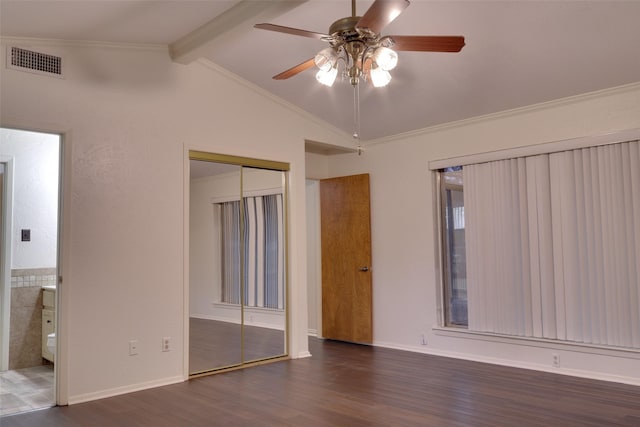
326,59
386,58
327,77
379,77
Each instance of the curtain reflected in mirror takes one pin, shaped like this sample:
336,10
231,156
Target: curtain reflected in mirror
237,265
264,267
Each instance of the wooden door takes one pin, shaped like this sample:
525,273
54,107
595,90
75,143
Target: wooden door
346,259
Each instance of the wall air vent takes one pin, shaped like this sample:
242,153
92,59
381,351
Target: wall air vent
34,62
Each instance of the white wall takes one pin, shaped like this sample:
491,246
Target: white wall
317,165
129,115
36,162
402,215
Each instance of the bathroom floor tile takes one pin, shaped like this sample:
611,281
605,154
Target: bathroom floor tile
26,389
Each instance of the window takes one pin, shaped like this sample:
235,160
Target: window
262,259
455,289
549,246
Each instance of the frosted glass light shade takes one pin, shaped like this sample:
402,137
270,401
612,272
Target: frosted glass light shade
386,58
327,77
380,77
325,59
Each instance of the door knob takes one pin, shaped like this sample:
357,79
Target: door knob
365,268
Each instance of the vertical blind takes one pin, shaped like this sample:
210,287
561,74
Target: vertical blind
262,251
553,245
229,217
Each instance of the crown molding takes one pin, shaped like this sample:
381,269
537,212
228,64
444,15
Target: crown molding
631,87
32,41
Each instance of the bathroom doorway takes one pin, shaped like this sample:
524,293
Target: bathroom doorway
29,237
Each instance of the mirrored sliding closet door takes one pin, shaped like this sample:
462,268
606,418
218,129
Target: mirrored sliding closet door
237,262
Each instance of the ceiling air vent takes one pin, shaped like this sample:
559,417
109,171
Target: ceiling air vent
35,62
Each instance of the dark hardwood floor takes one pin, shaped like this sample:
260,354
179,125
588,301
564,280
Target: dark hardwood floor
352,385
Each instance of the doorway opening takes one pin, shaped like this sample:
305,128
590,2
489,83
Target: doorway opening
29,238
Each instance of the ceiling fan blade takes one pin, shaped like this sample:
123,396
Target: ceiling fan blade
428,43
295,70
381,13
289,30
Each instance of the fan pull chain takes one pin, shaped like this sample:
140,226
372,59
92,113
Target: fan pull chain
356,117
356,112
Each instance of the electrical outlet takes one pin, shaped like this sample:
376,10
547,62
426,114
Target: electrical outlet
133,347
555,360
166,344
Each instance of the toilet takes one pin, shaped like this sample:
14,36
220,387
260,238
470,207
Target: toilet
51,342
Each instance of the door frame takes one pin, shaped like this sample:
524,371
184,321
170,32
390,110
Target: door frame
205,154
5,267
63,250
314,250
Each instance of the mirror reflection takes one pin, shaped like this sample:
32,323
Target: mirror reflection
264,255
237,265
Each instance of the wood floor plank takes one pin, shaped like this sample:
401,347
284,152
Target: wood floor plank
353,385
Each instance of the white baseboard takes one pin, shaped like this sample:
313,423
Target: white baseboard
87,397
513,363
302,355
264,319
312,332
265,325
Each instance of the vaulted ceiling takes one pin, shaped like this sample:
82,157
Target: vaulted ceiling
517,52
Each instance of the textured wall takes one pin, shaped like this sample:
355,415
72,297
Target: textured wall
128,116
35,195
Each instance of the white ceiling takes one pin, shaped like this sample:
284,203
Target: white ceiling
517,52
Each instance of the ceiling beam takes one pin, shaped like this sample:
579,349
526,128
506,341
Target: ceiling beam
240,17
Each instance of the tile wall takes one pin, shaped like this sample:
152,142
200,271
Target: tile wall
33,277
25,342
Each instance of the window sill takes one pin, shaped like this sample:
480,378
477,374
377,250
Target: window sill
627,353
247,308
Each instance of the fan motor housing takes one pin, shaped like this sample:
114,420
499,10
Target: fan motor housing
344,25
345,30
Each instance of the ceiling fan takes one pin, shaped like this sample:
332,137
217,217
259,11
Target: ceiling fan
356,42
